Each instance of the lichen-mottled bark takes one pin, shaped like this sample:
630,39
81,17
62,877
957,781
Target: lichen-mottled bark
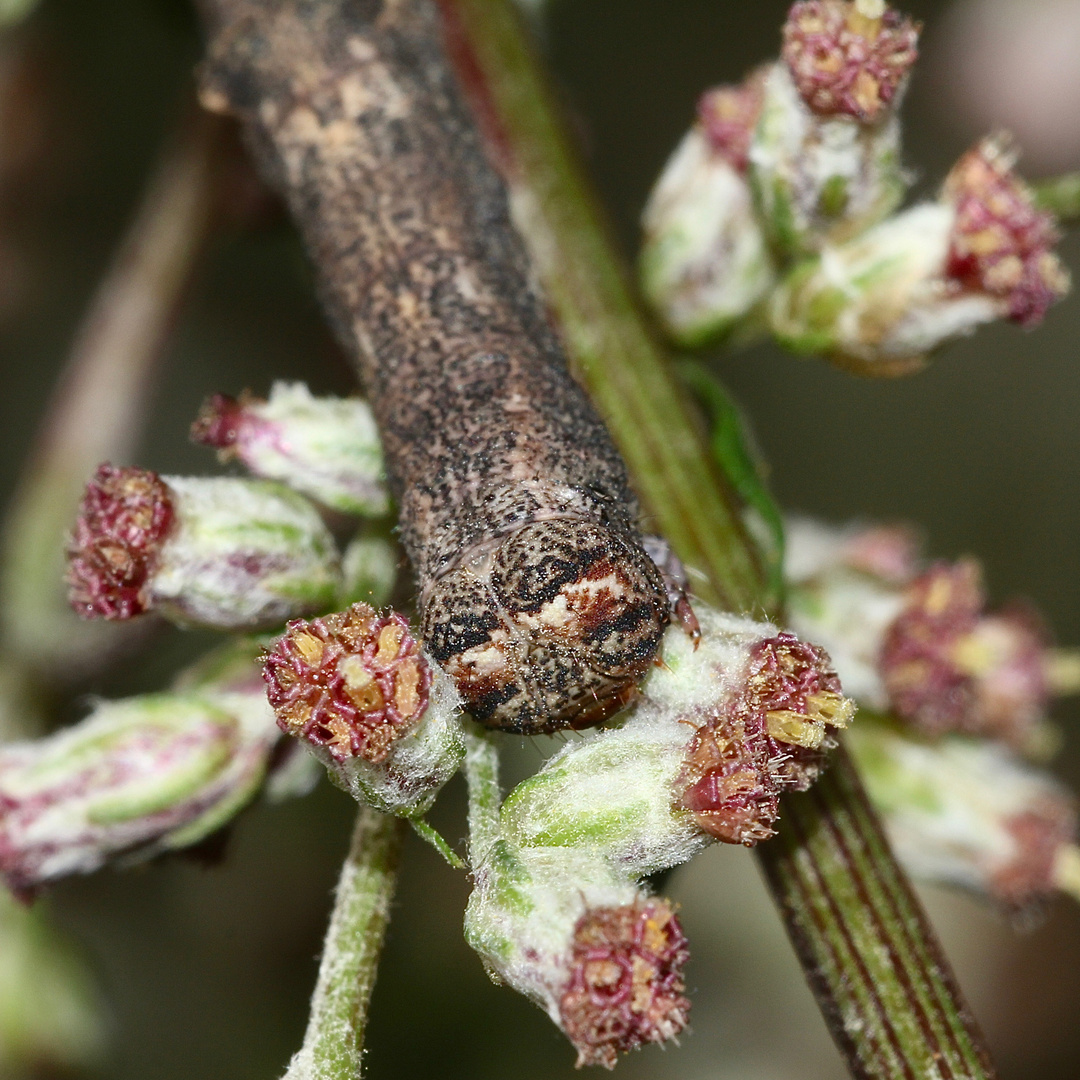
514,505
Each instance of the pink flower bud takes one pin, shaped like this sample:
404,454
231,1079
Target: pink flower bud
949,667
845,62
770,738
728,115
351,684
125,516
625,987
1001,244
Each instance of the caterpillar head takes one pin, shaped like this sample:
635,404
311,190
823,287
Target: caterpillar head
550,629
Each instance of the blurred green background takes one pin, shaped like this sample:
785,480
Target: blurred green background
206,969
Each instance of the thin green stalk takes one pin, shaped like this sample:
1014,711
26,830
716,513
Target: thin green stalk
334,1041
485,793
868,950
1061,196
98,408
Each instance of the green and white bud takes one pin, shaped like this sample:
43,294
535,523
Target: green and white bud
225,553
326,447
136,778
825,162
880,303
601,958
705,264
967,812
820,179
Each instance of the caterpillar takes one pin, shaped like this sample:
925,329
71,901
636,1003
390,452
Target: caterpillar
535,591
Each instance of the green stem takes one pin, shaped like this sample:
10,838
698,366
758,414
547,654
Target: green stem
334,1041
485,793
867,947
98,408
1061,196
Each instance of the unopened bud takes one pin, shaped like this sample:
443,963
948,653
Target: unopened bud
918,642
327,448
601,958
825,160
231,554
882,302
136,778
966,812
705,263
358,690
721,728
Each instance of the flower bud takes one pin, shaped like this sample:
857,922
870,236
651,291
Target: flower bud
881,302
136,778
328,448
358,690
966,812
719,730
918,642
231,554
825,160
601,958
705,264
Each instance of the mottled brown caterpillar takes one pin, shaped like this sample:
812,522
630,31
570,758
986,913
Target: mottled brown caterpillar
535,592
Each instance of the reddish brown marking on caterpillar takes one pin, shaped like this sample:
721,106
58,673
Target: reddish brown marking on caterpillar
515,508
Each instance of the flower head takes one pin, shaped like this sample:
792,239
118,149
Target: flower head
918,641
125,517
327,448
227,553
604,960
704,263
356,688
849,58
769,738
140,776
625,985
966,812
1001,244
352,683
881,302
947,666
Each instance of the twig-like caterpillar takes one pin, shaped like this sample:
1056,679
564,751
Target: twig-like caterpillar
536,594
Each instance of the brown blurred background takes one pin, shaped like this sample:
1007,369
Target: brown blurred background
206,969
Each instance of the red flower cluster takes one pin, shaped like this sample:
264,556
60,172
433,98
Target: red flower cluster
1001,243
219,421
844,63
626,985
125,517
772,738
351,683
728,116
1041,832
948,667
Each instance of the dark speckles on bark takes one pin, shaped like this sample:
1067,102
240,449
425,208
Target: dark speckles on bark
535,592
